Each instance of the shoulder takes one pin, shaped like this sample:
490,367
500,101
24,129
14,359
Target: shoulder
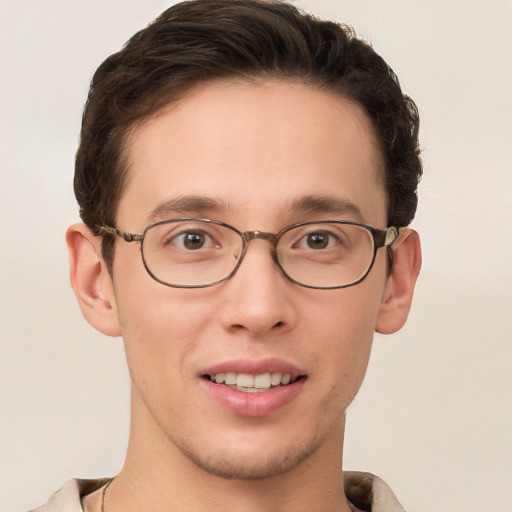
69,497
369,492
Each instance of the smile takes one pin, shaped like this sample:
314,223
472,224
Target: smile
252,383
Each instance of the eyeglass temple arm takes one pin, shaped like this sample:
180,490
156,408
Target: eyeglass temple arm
127,237
385,238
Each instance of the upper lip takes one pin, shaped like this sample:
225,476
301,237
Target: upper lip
255,367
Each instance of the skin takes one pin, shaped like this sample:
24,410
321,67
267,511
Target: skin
256,149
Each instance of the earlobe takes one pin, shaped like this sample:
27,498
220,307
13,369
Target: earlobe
397,299
91,281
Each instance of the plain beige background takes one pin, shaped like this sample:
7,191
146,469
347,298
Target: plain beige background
434,416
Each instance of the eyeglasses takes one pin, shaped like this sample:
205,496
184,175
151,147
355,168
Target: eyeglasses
196,253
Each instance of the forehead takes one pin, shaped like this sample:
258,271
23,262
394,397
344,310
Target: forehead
253,150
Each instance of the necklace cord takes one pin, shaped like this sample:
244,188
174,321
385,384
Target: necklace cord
103,495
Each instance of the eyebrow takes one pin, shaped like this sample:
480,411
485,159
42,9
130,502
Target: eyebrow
201,206
197,205
327,204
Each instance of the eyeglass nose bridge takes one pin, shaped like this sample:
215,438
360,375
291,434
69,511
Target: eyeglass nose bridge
262,235
248,236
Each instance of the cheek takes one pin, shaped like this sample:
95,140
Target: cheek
348,315
344,332
159,335
149,312
350,348
160,325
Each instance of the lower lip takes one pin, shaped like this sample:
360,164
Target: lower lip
260,403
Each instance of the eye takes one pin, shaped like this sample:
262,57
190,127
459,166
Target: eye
192,240
318,240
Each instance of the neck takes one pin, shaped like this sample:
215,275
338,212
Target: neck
157,476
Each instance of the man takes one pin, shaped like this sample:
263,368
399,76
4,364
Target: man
246,175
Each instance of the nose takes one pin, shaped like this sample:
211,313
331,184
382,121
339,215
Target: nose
258,298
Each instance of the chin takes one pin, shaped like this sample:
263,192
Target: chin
233,464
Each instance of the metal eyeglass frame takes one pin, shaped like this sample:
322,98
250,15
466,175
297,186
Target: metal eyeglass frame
381,238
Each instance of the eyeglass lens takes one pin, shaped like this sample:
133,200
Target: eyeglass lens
199,253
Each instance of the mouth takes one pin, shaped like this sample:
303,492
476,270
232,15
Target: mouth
253,388
248,383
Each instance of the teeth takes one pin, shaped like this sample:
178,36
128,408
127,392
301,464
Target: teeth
263,381
252,382
276,379
230,378
244,380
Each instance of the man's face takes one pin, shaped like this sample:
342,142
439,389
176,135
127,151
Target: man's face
247,154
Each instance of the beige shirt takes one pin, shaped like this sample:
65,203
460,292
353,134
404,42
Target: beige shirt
364,490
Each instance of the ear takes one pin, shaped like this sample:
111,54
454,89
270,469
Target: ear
397,299
91,281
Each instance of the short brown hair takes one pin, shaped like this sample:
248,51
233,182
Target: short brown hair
198,41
